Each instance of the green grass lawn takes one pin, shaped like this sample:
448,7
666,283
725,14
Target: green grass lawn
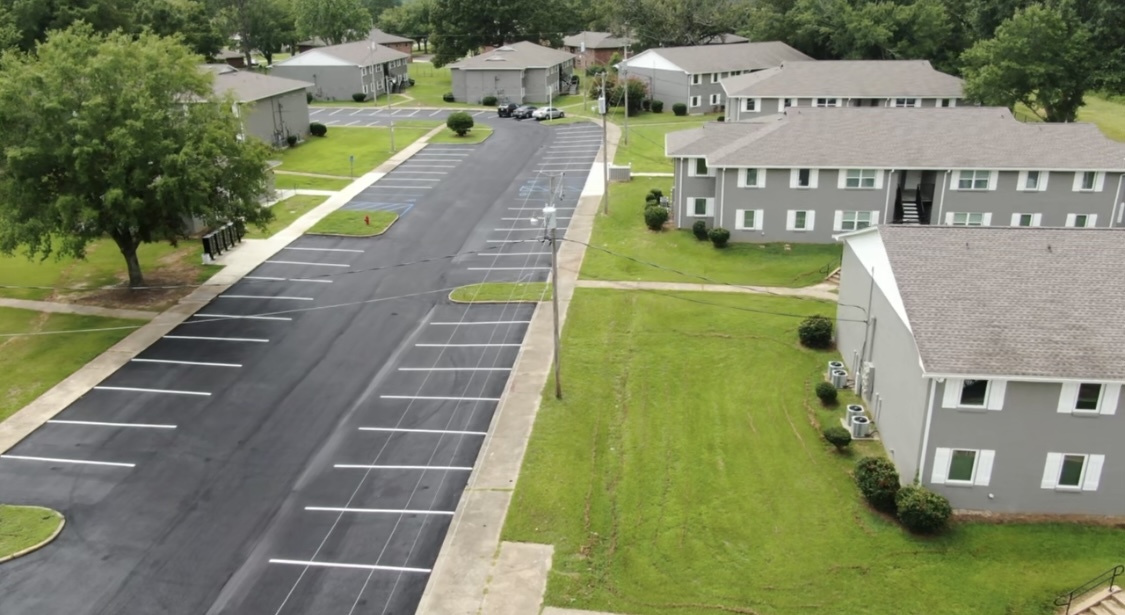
430,84
25,526
681,474
476,135
381,101
285,213
1107,113
299,182
514,292
30,365
329,155
645,150
624,232
352,223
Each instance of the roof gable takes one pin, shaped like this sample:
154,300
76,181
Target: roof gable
358,53
704,59
846,78
515,56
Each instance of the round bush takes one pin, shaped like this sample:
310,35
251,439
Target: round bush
447,97
488,101
317,129
922,511
699,229
719,236
679,109
651,201
646,105
291,140
308,97
460,123
877,480
359,97
658,106
827,393
815,332
838,436
722,118
657,193
655,217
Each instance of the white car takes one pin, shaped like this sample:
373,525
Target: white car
548,113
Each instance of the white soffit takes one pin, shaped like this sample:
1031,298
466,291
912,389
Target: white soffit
868,248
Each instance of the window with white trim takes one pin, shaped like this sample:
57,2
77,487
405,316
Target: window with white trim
788,102
751,105
860,178
715,99
697,167
752,178
973,180
1089,181
701,207
695,101
714,77
800,220
1072,471
827,102
1026,219
362,70
1082,220
1089,398
748,219
965,467
366,90
1032,181
906,102
696,79
804,178
856,220
968,218
973,393
724,75
947,102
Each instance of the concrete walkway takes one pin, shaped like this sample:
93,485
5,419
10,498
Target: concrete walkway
303,174
653,174
71,308
821,291
238,262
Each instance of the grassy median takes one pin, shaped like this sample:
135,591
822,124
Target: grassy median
503,292
355,223
22,527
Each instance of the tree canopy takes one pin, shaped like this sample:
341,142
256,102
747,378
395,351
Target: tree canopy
672,23
463,26
118,136
334,21
412,20
263,25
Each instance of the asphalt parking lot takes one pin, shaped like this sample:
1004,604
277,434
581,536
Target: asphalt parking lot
299,445
383,116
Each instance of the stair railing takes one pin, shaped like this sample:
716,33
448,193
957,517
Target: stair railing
1108,578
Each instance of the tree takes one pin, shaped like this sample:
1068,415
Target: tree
375,8
411,20
463,26
119,136
188,18
32,19
1041,57
334,21
460,123
263,25
671,23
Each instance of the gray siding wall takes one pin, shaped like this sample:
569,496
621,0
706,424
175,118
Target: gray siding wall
1054,204
687,188
330,82
1022,434
280,115
471,85
668,86
704,91
899,396
769,106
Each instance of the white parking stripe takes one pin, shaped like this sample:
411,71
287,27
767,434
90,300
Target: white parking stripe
507,240
437,431
101,424
479,113
421,179
324,250
443,152
295,562
509,269
382,511
195,363
162,391
280,297
401,171
481,322
454,369
509,254
436,112
538,209
309,264
278,318
216,339
309,280
335,112
352,123
518,219
467,345
509,230
77,461
353,466
439,398
269,279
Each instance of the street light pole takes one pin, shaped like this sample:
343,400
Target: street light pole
387,78
552,233
625,83
603,107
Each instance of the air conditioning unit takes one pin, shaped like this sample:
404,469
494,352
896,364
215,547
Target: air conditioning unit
861,427
839,378
854,410
833,366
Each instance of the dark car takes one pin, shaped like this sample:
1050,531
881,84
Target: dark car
524,112
506,110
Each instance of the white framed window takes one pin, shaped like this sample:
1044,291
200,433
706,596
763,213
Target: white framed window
1032,181
695,101
788,102
752,105
974,394
973,180
1082,220
701,207
804,178
1027,219
854,220
748,219
826,102
947,102
714,77
800,220
715,99
859,179
697,167
1089,181
1072,472
906,102
696,79
959,466
752,178
724,75
1089,398
968,218
366,89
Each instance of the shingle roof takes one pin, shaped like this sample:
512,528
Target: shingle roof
703,59
848,79
596,40
515,56
360,53
998,301
934,138
248,86
712,136
386,38
725,39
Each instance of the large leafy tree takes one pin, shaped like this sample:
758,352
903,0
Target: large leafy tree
32,19
263,25
412,20
118,136
672,23
376,8
463,26
1042,57
188,18
334,21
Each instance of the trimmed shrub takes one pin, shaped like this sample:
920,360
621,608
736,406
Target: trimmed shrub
646,104
317,129
359,97
699,229
815,332
722,118
719,236
877,480
488,101
656,193
651,201
655,217
658,106
460,123
308,97
827,393
922,511
447,97
291,140
679,109
838,436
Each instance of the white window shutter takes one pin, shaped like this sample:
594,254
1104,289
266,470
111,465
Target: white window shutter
996,390
874,218
948,218
1051,471
1021,183
879,179
761,178
1077,186
954,177
984,467
759,219
1099,182
1092,220
952,394
838,221
1067,397
810,220
794,176
1070,219
814,177
992,179
1016,219
941,465
1044,176
741,182
1094,465
790,220
986,219
841,178
1110,398
1036,219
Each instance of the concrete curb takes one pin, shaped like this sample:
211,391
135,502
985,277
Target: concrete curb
46,541
382,232
75,308
816,292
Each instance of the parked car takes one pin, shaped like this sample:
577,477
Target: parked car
506,110
548,113
524,112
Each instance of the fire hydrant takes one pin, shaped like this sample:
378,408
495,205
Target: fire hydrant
367,220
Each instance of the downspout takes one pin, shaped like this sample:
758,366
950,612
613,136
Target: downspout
941,200
857,369
722,177
887,200
678,193
926,432
1113,212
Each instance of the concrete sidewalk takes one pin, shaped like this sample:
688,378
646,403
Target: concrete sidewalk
237,263
822,291
72,308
